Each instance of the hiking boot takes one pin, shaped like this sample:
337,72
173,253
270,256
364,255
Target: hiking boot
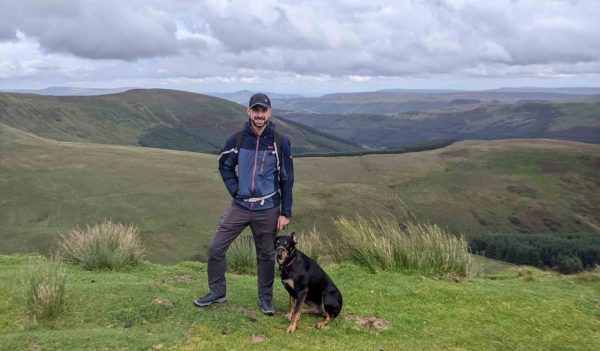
209,299
266,306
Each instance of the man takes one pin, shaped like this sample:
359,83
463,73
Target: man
262,198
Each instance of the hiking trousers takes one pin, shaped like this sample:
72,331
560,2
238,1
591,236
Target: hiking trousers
235,219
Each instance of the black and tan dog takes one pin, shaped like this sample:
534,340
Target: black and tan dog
306,282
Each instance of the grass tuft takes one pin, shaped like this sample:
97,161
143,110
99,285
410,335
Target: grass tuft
241,256
312,243
107,245
44,285
383,245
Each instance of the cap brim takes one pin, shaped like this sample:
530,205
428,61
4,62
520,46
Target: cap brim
260,104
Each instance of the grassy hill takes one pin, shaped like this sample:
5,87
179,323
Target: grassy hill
150,308
393,101
149,117
176,198
578,121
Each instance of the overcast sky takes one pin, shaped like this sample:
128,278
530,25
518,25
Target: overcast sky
298,46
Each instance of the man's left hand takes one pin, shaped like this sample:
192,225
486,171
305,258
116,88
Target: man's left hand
282,222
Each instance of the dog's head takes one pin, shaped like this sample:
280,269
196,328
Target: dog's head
285,246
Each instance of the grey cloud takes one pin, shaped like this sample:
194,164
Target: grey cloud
95,29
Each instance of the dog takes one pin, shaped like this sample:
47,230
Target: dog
306,282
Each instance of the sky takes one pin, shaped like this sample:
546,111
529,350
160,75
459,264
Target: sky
299,46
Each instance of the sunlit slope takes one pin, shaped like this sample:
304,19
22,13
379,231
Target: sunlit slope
176,198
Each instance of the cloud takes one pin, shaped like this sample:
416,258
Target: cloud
93,29
236,41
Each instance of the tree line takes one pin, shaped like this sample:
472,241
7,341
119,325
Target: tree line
566,253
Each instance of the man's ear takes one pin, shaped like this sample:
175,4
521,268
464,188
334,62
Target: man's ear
294,238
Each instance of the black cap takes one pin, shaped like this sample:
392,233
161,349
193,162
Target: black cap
260,99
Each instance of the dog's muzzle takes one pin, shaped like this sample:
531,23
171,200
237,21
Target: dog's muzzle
281,253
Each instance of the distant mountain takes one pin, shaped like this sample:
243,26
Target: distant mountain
487,121
243,96
398,100
565,90
69,91
160,118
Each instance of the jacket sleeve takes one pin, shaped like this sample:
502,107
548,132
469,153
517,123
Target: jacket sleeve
228,160
286,177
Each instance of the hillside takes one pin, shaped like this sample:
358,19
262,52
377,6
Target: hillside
176,198
393,101
487,121
150,308
160,118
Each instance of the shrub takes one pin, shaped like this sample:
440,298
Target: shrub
44,287
382,244
241,256
106,245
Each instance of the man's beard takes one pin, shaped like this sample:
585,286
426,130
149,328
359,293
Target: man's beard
253,121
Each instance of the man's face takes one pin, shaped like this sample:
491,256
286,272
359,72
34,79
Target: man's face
259,116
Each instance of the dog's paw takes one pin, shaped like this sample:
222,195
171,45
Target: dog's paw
289,316
322,325
291,328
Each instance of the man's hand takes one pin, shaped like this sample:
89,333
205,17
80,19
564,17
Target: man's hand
282,222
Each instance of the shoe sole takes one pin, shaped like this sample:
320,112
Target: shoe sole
268,313
221,300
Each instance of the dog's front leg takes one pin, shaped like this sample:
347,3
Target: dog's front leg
297,310
292,306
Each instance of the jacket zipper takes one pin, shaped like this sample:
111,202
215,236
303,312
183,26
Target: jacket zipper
262,165
254,170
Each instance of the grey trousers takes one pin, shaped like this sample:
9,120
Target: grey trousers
234,220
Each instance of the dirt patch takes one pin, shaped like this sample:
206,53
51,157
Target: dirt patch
258,338
522,190
373,323
33,346
182,278
158,302
452,277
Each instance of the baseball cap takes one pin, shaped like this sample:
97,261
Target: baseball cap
260,99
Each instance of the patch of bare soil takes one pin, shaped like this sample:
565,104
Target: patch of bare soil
372,323
182,278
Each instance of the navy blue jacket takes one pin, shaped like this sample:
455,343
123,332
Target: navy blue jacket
264,179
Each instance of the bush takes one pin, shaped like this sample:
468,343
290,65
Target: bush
382,244
106,245
44,287
241,256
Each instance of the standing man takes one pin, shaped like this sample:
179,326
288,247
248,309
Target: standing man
262,198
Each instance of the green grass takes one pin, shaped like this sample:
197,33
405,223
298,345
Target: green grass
44,289
151,306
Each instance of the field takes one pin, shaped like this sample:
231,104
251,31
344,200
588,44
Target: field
176,198
150,308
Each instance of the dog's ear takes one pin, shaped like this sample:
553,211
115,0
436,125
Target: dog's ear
294,238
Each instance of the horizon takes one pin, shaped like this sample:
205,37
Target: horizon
110,90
